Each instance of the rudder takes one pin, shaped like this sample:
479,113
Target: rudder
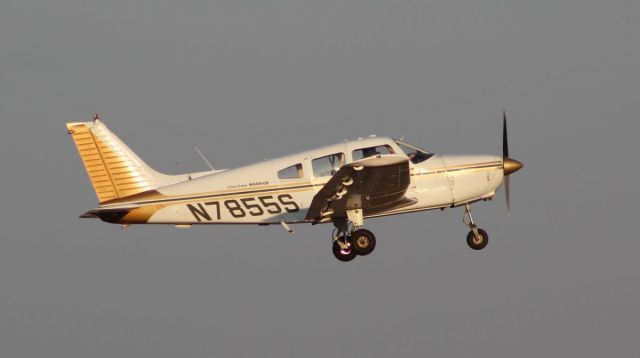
114,170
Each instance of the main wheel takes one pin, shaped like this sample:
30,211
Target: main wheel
363,242
341,254
477,243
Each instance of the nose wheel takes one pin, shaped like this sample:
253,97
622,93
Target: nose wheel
477,239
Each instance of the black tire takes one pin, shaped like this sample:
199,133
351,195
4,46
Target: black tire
474,243
343,255
363,242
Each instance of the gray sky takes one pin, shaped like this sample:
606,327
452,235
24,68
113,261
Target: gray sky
238,78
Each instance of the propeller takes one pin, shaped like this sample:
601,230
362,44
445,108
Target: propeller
509,165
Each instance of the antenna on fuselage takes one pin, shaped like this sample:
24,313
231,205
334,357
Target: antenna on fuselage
204,158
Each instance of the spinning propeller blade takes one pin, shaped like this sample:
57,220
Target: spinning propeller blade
509,165
507,195
505,137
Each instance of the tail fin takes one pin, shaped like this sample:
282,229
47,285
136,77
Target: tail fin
115,170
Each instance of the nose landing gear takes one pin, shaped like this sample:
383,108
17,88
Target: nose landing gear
477,238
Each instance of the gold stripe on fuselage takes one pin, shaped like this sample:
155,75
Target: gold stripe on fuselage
153,196
467,167
142,214
155,201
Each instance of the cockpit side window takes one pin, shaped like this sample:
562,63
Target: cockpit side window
415,154
328,165
292,172
371,151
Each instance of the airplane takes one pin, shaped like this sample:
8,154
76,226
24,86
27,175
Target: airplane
342,184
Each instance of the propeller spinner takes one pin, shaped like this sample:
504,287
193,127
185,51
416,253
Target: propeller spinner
509,165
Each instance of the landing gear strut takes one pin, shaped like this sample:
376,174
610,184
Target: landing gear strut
477,238
350,241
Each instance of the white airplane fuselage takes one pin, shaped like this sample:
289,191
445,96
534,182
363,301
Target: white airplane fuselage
255,194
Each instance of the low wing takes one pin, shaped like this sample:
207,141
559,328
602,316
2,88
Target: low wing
373,184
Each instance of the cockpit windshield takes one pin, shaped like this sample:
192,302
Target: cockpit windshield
415,154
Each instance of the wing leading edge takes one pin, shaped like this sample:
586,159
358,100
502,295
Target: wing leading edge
373,184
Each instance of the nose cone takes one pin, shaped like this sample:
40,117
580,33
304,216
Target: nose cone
511,166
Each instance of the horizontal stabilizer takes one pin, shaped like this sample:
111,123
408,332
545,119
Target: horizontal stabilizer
95,213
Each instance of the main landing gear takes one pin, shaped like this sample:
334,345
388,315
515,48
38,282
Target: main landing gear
350,241
477,238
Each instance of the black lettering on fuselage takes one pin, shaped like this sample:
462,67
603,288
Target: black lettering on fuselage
240,208
199,213
289,205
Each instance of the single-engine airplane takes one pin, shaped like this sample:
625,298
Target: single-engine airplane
342,184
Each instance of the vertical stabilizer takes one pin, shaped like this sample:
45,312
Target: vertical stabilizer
115,170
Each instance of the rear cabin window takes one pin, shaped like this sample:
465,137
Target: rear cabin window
292,172
371,151
327,166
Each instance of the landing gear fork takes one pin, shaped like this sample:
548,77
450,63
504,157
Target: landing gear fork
477,238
